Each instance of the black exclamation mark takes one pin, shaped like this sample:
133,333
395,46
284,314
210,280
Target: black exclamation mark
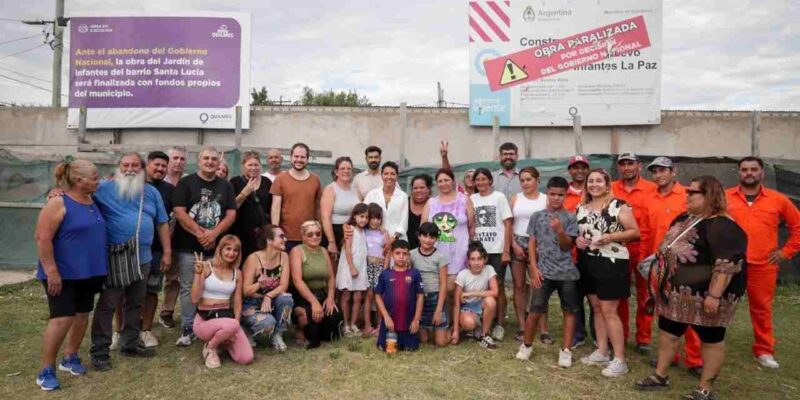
511,70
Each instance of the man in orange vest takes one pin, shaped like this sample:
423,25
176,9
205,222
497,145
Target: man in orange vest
759,211
635,190
666,203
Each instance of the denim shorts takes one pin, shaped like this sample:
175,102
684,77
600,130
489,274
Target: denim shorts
568,294
475,307
428,308
522,241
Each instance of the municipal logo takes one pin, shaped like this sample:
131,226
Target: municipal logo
222,32
83,28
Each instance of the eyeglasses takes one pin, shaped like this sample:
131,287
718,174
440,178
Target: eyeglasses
280,236
313,234
690,192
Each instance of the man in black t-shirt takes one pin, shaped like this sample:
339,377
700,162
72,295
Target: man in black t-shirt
205,208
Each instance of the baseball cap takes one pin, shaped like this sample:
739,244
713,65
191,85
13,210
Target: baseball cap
627,156
578,160
660,162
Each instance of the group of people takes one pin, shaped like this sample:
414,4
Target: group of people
250,257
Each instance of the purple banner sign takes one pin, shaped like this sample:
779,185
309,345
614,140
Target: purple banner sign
171,62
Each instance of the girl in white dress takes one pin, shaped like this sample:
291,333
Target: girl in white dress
351,276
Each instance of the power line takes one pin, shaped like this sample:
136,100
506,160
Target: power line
25,75
18,39
10,19
23,51
29,84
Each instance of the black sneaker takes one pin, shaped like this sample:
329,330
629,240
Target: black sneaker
699,394
101,364
654,362
166,321
488,343
695,371
138,351
652,383
642,348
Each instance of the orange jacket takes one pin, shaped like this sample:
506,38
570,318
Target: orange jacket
637,199
572,200
760,221
661,210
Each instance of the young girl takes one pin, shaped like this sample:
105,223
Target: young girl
493,229
475,297
377,238
399,299
217,292
351,276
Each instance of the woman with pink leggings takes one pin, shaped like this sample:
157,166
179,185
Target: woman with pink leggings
217,292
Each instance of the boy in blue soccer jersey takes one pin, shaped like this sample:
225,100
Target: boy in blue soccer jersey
399,299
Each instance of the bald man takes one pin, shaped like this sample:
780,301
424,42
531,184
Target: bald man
274,161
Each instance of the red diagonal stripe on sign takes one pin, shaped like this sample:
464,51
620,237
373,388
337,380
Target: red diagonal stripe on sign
508,3
489,21
500,13
471,39
478,30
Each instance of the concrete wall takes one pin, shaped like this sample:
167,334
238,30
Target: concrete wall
347,131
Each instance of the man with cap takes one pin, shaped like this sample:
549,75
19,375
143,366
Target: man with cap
635,191
578,169
666,203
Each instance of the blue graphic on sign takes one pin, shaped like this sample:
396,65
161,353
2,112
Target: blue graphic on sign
485,104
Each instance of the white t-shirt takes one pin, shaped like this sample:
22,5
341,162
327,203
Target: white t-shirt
366,182
470,282
270,176
490,212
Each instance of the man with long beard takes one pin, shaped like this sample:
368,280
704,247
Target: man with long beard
123,201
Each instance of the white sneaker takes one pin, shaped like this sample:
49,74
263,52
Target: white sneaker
184,341
615,368
498,333
564,358
347,332
767,361
115,338
524,352
355,331
596,358
277,342
148,339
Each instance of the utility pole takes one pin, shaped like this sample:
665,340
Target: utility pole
59,22
58,41
440,95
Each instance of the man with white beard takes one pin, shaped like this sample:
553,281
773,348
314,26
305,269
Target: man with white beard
120,200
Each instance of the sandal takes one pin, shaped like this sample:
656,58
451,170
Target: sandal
699,394
652,383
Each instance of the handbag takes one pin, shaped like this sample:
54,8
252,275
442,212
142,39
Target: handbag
123,259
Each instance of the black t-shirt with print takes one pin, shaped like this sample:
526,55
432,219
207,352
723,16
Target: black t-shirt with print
205,202
252,214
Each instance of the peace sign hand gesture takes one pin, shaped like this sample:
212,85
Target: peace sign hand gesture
199,263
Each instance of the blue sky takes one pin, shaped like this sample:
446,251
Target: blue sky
717,54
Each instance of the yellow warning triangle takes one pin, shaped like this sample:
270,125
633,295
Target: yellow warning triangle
512,73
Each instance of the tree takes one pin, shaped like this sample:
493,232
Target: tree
330,98
260,97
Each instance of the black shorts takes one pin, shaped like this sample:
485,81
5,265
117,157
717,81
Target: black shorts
707,334
567,293
76,297
499,268
609,280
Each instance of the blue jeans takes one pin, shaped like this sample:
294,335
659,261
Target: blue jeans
184,261
260,323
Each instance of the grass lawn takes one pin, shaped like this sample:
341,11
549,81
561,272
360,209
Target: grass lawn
354,369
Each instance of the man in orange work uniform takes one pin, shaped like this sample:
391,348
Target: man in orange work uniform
635,191
758,211
578,169
668,201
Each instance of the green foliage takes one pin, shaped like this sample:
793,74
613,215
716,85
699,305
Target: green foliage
330,98
259,97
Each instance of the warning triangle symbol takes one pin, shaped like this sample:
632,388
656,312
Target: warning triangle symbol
512,73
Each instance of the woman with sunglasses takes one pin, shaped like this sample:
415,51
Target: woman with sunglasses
313,288
700,277
267,307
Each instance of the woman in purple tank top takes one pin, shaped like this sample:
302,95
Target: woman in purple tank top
453,213
71,242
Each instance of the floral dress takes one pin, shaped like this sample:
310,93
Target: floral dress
593,224
692,252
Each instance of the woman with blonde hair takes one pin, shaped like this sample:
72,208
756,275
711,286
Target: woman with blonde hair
605,224
313,288
217,293
69,232
253,202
